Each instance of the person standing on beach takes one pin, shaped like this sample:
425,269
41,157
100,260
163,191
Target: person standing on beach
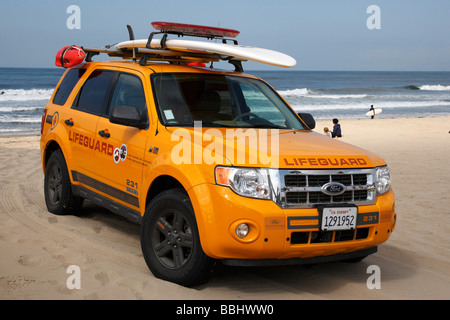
336,129
373,112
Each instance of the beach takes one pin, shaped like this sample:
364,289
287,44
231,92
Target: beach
37,247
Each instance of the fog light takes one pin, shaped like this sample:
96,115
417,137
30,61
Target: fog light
242,230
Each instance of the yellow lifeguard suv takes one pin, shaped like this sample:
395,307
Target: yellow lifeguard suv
213,164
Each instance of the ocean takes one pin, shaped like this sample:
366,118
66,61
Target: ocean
24,92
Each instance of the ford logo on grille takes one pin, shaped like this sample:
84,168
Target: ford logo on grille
333,188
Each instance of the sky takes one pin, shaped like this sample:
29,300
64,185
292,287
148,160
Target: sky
402,35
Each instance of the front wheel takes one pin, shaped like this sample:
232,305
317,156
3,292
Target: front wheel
170,240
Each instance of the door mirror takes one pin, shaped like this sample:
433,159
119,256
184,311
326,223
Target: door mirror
128,116
308,120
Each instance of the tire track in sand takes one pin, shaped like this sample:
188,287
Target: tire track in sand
24,204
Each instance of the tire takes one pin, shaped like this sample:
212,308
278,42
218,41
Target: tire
170,240
57,187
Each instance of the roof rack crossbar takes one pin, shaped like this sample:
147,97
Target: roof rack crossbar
150,38
90,54
237,65
235,42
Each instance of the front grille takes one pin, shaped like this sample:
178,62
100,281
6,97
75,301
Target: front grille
303,188
311,180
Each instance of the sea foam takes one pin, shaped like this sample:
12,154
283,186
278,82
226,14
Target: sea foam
436,87
25,95
305,92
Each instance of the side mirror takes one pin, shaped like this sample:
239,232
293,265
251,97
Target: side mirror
127,116
308,120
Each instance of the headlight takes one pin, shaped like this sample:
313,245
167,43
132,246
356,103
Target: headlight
382,180
247,182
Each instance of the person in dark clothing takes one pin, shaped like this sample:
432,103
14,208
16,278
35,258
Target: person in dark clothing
373,110
336,129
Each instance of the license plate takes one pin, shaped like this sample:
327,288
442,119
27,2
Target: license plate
339,218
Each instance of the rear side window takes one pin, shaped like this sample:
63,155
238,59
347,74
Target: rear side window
94,94
67,85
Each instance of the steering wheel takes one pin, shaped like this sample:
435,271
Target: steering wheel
246,114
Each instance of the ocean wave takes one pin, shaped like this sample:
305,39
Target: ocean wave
436,87
379,104
18,131
305,92
295,92
21,109
15,130
20,118
411,87
339,96
25,95
428,87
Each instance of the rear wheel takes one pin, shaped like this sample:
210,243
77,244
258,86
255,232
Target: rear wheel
170,240
57,187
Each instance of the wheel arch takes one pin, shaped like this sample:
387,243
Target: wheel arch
161,184
51,147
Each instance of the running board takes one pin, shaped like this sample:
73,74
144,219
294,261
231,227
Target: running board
117,208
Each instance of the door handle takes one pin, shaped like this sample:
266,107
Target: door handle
104,134
69,122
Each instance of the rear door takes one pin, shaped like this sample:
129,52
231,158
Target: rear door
81,123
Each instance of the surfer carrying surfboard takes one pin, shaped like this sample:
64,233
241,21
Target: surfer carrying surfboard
372,112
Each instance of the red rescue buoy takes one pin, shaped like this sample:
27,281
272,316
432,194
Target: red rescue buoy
69,56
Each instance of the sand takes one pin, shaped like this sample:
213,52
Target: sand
37,247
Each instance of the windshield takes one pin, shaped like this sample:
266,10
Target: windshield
220,101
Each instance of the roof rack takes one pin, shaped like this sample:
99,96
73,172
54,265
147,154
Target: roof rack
172,56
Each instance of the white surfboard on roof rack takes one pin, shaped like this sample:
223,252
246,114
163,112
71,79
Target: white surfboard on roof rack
261,55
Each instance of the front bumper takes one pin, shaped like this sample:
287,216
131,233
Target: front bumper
278,234
299,261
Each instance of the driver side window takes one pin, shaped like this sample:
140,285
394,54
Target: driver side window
129,92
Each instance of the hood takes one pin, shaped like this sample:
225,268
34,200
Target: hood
300,149
273,148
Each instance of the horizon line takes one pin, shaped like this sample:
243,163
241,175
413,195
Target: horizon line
267,70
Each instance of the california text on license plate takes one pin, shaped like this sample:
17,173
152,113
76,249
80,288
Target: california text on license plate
339,218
